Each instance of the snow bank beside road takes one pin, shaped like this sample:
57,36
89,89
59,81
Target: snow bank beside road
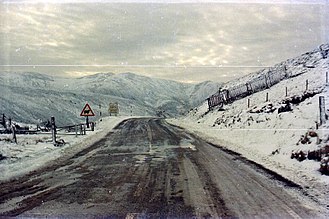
260,145
260,132
271,142
35,151
264,134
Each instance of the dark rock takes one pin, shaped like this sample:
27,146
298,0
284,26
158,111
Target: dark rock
285,108
2,157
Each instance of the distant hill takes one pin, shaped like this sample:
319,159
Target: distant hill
32,97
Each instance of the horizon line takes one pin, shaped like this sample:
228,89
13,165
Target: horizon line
289,2
144,66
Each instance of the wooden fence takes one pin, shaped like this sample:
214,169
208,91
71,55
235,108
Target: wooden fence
265,80
49,128
260,83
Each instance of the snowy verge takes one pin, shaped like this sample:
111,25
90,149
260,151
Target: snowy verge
258,145
34,151
273,125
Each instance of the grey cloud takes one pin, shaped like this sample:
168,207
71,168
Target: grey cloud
158,34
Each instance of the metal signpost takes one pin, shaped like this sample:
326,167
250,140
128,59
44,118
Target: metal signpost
86,112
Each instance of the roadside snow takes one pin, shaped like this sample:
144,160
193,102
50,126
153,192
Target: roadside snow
34,151
268,137
258,144
271,142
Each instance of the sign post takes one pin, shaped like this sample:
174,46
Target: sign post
113,109
86,112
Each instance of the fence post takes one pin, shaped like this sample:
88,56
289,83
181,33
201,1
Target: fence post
249,88
306,85
322,110
266,83
227,96
248,102
208,100
76,130
13,130
81,129
269,82
53,129
266,97
4,121
285,71
322,52
92,126
84,130
286,91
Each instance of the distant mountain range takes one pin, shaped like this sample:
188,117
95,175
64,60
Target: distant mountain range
33,97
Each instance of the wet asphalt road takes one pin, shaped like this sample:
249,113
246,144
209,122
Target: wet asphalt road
149,168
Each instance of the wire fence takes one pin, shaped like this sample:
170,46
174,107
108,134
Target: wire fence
265,80
262,82
7,127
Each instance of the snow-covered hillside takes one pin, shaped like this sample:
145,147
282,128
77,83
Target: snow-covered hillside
264,134
30,97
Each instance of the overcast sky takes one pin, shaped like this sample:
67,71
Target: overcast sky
190,42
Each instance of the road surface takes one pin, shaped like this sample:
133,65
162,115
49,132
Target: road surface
149,168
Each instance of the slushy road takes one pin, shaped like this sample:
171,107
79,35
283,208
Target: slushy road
149,168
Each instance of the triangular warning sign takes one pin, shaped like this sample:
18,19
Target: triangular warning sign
87,111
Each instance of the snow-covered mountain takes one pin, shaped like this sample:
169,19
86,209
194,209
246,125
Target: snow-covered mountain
30,97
